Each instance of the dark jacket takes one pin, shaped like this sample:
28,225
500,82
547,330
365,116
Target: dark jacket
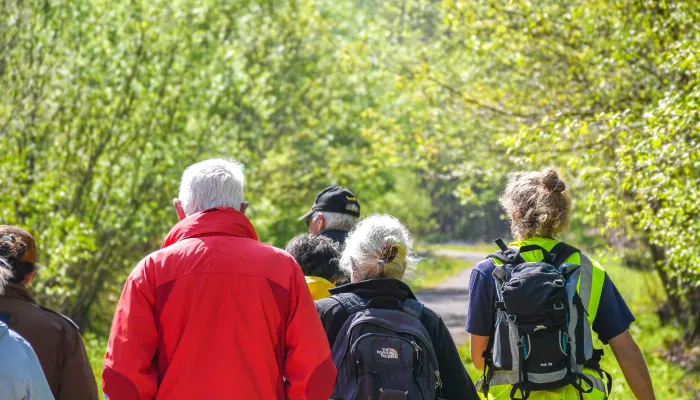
56,341
456,382
336,235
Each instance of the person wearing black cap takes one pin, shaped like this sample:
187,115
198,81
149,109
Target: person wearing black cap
333,214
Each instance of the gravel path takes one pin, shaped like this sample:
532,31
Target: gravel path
451,297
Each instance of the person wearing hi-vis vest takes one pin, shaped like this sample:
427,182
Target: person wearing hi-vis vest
529,348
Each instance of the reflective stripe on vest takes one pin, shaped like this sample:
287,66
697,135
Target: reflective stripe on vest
590,286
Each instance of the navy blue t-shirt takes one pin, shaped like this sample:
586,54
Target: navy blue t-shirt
613,318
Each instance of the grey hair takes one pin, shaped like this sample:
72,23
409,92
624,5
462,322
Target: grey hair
336,220
5,275
369,241
536,203
212,183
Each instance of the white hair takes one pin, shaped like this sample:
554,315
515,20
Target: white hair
368,244
212,183
336,220
5,274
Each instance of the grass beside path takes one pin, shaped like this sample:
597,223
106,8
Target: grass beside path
642,292
96,347
487,248
433,269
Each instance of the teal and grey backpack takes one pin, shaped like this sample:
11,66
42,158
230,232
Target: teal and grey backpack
541,338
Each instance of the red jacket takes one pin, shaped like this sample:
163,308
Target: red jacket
215,314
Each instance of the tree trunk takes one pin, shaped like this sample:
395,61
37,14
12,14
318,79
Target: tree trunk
658,256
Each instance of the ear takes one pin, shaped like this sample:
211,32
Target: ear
179,209
28,278
244,206
317,224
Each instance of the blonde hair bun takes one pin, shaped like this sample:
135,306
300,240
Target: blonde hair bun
536,203
552,182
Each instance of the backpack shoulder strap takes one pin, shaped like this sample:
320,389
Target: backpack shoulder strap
503,257
504,254
413,308
350,302
560,252
513,254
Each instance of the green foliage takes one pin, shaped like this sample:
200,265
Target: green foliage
606,90
632,144
96,347
420,107
104,104
642,290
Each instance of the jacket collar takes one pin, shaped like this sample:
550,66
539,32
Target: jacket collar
215,221
18,292
380,287
337,235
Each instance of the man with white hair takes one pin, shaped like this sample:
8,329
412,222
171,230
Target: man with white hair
215,314
333,214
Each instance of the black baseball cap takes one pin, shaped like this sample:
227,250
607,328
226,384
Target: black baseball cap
335,199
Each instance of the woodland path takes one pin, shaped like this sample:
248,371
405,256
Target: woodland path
450,299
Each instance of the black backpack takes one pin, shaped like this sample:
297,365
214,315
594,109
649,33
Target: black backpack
541,339
383,351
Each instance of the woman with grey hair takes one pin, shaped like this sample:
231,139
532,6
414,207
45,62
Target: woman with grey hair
378,252
539,206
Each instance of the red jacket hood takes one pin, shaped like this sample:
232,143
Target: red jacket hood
215,221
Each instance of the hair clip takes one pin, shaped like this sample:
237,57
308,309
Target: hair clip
7,238
390,254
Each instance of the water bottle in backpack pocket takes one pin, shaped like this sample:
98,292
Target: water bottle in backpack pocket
384,354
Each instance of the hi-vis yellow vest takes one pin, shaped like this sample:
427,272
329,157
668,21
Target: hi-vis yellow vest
590,287
319,287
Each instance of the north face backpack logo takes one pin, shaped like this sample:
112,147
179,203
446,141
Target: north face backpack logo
388,353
